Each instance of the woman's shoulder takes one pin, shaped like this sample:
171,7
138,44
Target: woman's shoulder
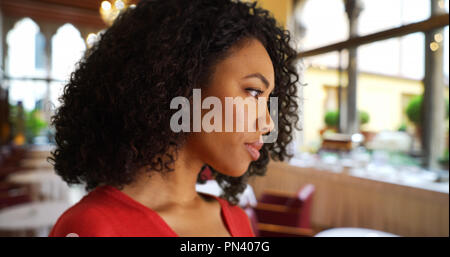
89,217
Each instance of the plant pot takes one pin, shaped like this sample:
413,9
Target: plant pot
368,135
322,131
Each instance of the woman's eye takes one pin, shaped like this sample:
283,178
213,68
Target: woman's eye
254,92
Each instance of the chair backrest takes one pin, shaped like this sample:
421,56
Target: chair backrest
275,198
11,194
253,219
305,196
306,192
287,209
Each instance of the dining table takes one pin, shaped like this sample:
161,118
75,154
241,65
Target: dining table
45,184
402,201
353,232
31,219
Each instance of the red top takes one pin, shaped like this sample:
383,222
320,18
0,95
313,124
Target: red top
106,211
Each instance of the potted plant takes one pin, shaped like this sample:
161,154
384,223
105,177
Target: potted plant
413,111
331,122
34,124
403,127
364,118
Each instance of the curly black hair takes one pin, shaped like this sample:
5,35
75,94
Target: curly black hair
114,116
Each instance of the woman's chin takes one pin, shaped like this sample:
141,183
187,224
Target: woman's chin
236,171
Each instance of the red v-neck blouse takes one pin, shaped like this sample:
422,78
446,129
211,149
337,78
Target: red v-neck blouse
106,211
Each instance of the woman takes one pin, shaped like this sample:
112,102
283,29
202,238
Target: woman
114,131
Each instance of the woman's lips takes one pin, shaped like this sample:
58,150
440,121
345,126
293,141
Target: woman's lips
253,149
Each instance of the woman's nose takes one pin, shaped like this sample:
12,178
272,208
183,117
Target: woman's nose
263,126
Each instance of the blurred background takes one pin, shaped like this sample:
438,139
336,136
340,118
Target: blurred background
371,158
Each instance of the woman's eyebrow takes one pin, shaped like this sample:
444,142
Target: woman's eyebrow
260,76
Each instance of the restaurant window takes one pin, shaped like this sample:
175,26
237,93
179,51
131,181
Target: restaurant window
387,14
67,48
23,61
40,52
331,98
29,83
318,21
321,76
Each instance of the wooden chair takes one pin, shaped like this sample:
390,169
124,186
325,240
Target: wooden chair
276,207
283,214
273,230
12,194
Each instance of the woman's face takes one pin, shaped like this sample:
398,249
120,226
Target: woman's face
247,73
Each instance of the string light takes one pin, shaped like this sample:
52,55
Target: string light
106,5
434,46
91,39
109,12
438,37
119,4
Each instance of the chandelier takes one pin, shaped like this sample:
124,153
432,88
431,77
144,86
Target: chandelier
109,10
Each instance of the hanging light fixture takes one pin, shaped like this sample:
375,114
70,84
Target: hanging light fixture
109,10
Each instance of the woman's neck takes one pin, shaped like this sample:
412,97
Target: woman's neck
170,190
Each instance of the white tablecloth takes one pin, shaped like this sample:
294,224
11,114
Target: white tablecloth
45,184
346,200
353,232
40,151
38,163
38,216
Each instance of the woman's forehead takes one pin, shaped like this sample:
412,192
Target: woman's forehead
249,59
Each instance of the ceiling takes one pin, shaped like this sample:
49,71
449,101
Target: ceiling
80,12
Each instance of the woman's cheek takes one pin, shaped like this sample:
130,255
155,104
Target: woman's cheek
245,118
235,157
